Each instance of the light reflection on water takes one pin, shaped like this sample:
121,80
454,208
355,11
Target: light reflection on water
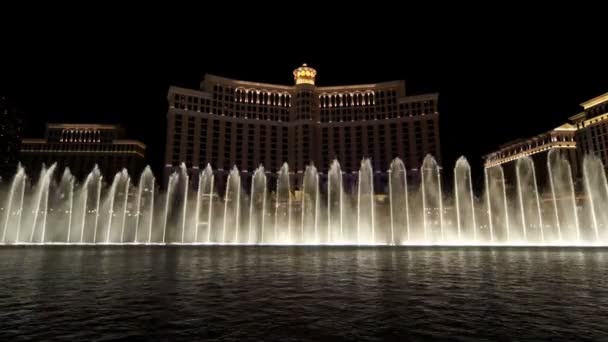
302,293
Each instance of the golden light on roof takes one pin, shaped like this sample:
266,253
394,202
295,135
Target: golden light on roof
595,101
304,75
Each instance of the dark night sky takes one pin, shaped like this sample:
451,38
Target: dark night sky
497,79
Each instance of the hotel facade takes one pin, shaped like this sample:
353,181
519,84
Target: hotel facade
230,123
592,128
585,133
11,122
82,146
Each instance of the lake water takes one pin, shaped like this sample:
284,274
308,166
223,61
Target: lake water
302,293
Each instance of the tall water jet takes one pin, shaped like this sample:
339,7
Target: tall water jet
498,212
88,204
466,221
71,205
432,200
176,203
257,206
488,203
115,206
144,208
32,207
563,197
596,189
125,208
169,209
335,203
282,213
184,181
97,203
232,208
61,203
366,230
399,203
14,204
531,220
309,206
197,208
317,210
47,185
205,211
41,203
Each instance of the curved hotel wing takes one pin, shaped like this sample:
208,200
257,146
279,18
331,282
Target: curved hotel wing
585,134
229,122
82,146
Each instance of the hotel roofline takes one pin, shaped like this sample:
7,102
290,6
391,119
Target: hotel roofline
595,101
565,136
83,126
520,147
114,142
219,79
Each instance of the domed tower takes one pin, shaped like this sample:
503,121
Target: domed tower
304,75
305,113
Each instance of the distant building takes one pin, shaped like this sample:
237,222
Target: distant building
586,134
592,127
81,146
11,121
561,139
230,122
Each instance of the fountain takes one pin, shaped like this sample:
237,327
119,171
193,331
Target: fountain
432,201
14,206
257,207
531,219
144,208
171,187
366,228
87,210
498,208
282,213
115,208
61,204
335,204
399,203
40,206
408,208
564,207
231,225
597,192
466,224
309,213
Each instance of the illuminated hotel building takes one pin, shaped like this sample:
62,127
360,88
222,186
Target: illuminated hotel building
229,122
592,127
561,138
586,134
11,121
81,146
